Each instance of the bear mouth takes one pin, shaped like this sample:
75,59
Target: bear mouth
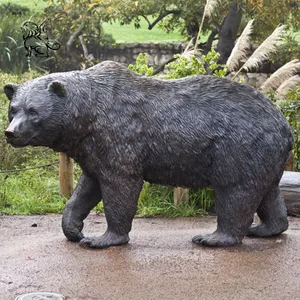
17,142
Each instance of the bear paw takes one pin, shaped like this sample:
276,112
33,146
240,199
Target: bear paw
215,239
265,230
108,239
72,230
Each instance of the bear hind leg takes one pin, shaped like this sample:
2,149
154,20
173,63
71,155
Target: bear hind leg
235,210
272,213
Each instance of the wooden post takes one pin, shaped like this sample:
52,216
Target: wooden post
66,175
180,195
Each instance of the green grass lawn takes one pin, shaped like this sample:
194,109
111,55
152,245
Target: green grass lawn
128,33
32,4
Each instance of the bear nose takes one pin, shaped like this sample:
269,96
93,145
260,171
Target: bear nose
12,134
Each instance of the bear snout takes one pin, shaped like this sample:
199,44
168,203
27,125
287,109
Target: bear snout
12,134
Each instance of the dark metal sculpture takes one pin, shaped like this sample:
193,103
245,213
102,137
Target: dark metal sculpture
123,128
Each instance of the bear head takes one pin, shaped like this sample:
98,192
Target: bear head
36,112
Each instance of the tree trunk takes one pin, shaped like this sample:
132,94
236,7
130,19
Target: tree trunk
229,30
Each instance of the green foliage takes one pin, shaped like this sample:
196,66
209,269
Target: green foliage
169,15
288,51
184,66
291,109
141,66
10,9
185,16
158,200
12,53
70,20
211,60
268,14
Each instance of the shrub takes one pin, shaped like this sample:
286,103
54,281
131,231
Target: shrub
185,66
286,52
11,9
291,109
12,53
69,21
141,66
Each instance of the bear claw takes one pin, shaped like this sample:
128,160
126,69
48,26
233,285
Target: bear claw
104,241
215,240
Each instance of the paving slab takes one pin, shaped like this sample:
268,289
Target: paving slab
160,262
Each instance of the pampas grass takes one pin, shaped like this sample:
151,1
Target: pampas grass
208,10
240,49
264,50
281,75
189,50
287,85
210,7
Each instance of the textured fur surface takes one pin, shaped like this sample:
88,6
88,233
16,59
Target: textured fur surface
123,128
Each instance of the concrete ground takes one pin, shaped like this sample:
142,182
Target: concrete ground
159,263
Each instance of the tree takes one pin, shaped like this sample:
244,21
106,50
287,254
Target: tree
78,28
77,23
224,25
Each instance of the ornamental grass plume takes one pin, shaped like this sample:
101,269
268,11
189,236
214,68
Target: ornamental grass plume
240,49
281,76
288,85
264,50
208,11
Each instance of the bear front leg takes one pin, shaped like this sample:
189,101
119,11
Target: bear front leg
85,197
120,199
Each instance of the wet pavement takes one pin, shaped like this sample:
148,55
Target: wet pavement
159,263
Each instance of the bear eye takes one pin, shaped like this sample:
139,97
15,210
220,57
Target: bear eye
13,110
32,112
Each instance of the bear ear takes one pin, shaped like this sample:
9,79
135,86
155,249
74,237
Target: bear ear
10,89
58,88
